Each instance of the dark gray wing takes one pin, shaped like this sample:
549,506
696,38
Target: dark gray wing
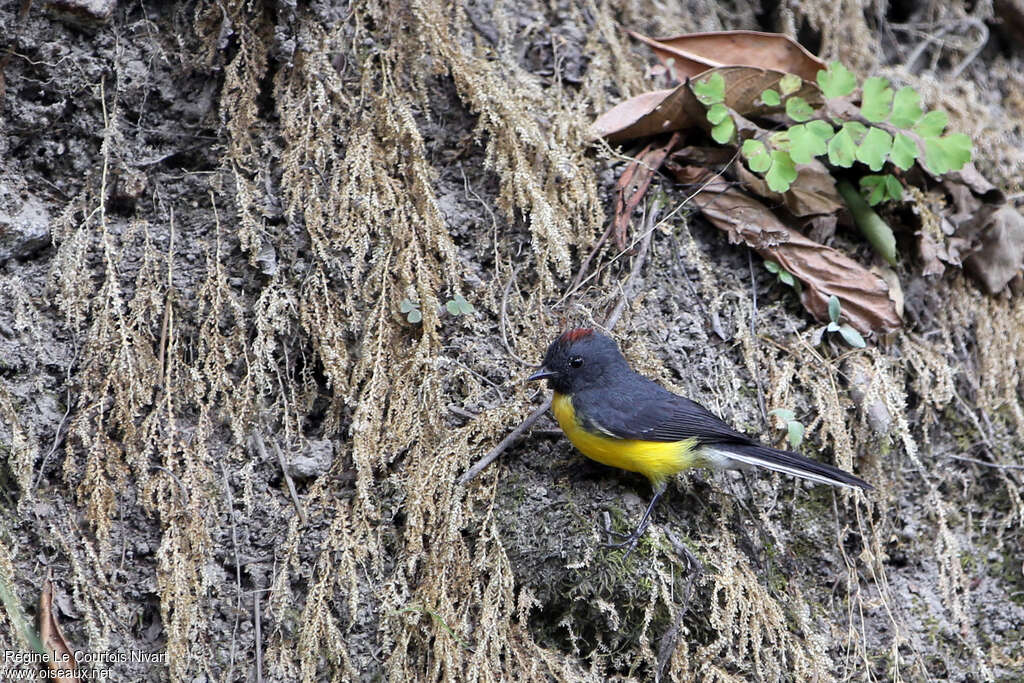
641,409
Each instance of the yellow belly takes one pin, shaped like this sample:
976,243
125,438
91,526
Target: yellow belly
657,460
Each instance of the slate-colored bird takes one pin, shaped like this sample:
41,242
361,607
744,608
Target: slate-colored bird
620,418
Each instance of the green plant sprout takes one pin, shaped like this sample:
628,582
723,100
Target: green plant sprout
785,277
459,306
888,127
711,93
849,335
411,309
794,428
455,306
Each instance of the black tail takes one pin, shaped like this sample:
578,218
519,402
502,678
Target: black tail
790,463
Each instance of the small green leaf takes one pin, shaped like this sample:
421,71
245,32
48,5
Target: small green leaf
876,99
852,337
950,153
782,173
832,327
822,129
833,308
874,148
857,130
722,133
756,154
760,163
710,90
934,157
414,316
770,97
452,307
718,113
841,149
406,306
947,154
893,187
798,109
881,188
932,124
837,81
771,266
874,187
796,433
805,144
464,306
790,83
904,151
785,413
906,108
786,278
752,148
779,139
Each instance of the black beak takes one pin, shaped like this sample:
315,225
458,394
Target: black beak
543,373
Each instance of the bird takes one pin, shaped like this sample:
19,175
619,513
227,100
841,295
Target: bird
620,418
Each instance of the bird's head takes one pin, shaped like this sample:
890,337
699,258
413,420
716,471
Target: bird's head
579,359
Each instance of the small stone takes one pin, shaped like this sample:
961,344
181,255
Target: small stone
314,462
24,228
90,11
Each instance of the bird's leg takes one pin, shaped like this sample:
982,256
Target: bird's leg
631,539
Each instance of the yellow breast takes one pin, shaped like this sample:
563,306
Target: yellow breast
657,460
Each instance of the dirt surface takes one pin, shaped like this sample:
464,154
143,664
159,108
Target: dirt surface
210,215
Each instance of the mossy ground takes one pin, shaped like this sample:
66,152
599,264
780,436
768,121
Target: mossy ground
241,194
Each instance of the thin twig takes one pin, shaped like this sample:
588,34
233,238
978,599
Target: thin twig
716,326
262,448
638,264
493,454
753,336
503,320
982,41
679,207
288,479
181,485
238,569
999,466
668,642
462,412
259,635
590,257
58,437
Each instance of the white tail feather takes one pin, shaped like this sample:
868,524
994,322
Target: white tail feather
723,460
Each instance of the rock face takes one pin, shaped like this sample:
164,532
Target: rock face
24,225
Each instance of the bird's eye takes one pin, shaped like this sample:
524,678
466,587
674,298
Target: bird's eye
576,361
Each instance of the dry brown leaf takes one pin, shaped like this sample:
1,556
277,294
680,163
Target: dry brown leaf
865,299
711,157
62,658
653,113
979,184
633,184
892,280
744,85
694,53
1001,255
813,193
665,111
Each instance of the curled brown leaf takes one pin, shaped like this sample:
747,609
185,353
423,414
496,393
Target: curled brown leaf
61,656
633,184
652,113
693,53
865,298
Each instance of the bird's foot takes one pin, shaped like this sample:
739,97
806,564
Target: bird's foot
627,541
